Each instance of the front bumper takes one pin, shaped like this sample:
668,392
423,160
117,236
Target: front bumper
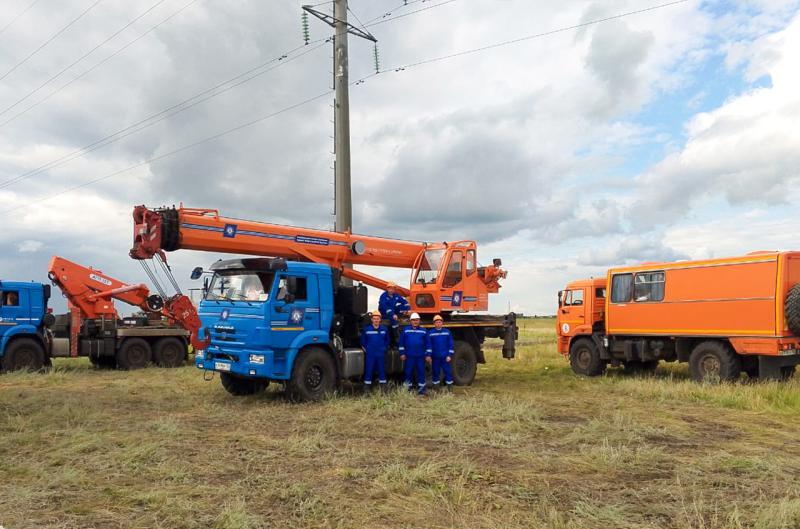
239,363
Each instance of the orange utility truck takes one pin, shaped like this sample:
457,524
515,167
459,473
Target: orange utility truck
723,316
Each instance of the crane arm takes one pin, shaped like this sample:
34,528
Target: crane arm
169,229
91,292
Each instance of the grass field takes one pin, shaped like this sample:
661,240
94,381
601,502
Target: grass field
528,445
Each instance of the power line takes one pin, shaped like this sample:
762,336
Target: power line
79,59
389,13
168,112
420,10
160,116
51,39
527,37
173,152
329,92
87,72
11,22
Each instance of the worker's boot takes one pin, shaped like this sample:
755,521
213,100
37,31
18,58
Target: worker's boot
449,388
384,388
367,389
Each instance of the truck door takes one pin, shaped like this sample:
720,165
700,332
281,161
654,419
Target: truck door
294,309
453,282
14,307
573,310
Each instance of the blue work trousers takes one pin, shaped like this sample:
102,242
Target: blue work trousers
412,364
373,362
440,364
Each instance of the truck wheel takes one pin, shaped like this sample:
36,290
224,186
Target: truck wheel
585,358
465,363
638,367
313,375
170,352
242,386
23,354
713,361
792,310
135,353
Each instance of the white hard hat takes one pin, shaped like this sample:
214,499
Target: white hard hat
414,316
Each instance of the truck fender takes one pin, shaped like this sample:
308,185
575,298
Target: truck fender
304,339
28,331
598,340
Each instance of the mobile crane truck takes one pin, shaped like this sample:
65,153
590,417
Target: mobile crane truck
286,315
30,335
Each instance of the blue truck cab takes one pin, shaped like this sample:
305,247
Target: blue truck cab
24,321
272,320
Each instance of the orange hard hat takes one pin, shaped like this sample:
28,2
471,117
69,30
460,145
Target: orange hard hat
438,318
391,285
375,313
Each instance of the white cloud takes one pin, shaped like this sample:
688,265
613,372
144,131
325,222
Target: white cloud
29,246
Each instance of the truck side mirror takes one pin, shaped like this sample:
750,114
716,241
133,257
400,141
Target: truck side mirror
560,296
206,286
497,262
197,272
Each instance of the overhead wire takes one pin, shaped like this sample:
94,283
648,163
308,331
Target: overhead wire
177,108
329,92
18,16
97,65
79,59
49,40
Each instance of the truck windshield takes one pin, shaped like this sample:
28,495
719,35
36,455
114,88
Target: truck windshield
429,267
240,285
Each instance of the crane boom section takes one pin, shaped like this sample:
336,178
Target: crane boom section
206,230
92,291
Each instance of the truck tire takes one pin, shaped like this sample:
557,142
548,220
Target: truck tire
135,353
170,352
23,354
585,358
714,361
313,375
242,386
792,310
465,363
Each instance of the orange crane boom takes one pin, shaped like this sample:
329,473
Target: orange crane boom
445,276
90,294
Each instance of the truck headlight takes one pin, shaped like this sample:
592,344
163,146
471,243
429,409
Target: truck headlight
257,359
199,354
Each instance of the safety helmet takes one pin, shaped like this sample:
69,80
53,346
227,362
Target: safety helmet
438,318
375,313
414,316
391,285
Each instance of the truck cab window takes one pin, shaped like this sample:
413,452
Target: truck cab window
429,267
573,298
649,286
301,287
621,288
470,262
240,285
11,298
454,274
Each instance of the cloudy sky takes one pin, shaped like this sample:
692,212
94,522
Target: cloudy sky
667,134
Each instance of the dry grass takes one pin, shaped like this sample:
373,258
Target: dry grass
529,445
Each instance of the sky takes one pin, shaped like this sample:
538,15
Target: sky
665,134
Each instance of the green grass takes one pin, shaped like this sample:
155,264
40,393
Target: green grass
529,445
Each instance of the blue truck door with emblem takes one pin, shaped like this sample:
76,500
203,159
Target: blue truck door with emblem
292,310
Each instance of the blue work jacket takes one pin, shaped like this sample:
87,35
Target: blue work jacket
441,341
391,305
375,341
414,342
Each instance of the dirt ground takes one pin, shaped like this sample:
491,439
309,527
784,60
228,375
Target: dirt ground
528,445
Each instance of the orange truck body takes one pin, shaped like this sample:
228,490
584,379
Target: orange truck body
663,311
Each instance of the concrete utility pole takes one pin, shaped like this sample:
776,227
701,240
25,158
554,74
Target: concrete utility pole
341,83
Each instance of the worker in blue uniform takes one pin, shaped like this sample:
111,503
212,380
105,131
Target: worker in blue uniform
374,342
415,350
392,305
441,341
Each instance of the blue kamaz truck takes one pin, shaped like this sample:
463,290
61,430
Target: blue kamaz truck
25,338
271,319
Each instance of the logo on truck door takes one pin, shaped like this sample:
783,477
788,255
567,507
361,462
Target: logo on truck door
296,317
565,328
229,231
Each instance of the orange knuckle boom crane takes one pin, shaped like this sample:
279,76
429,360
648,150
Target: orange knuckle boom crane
306,264
92,327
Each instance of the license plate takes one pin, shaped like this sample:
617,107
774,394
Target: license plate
222,366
